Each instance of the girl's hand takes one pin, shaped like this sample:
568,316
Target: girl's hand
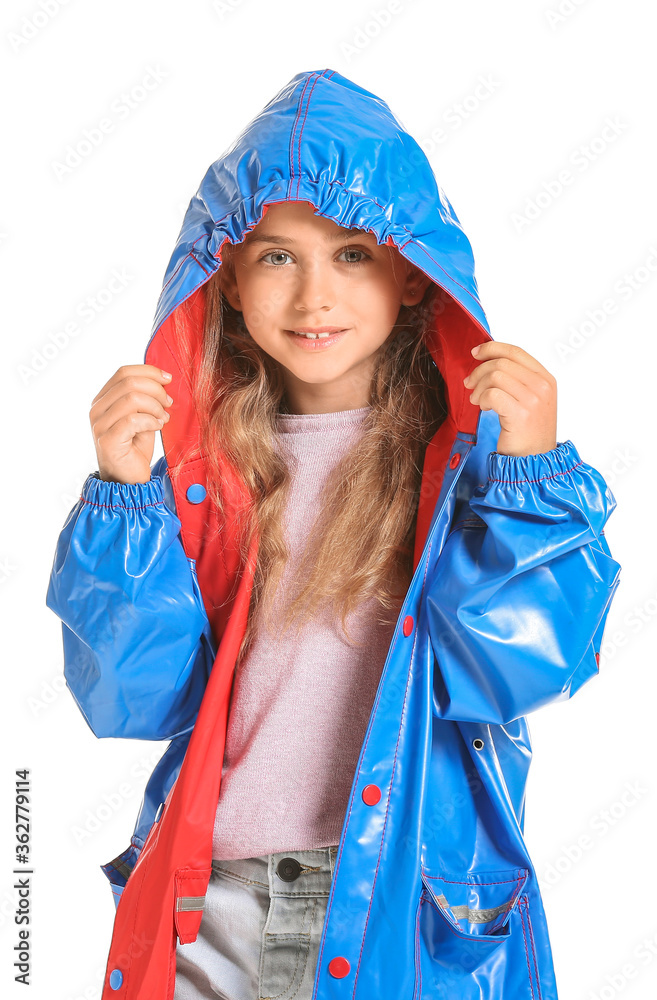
523,393
124,417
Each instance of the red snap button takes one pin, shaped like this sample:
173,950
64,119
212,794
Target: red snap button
597,659
339,967
371,795
455,459
407,627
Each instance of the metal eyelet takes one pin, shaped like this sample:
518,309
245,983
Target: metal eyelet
478,744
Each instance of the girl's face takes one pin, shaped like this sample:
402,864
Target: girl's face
298,271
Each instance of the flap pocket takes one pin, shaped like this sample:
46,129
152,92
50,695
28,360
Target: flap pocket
466,919
476,904
190,888
470,931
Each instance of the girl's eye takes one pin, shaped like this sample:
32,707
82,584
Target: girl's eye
274,253
346,250
351,250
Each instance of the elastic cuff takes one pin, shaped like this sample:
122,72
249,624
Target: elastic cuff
131,496
532,468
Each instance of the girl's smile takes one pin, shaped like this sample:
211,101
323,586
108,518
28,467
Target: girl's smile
316,341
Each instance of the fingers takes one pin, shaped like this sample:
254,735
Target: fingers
133,402
512,363
505,394
132,371
512,353
123,432
518,382
129,381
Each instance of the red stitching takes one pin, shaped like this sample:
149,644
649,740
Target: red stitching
457,283
181,262
553,476
303,125
505,913
296,122
120,506
205,270
531,938
457,882
529,971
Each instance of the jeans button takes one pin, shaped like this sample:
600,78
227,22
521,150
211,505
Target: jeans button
288,869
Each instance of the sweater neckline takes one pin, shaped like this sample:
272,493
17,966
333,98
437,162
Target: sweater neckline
290,423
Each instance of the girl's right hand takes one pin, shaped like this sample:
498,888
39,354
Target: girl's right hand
124,417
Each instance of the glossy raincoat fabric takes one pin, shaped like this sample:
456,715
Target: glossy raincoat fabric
434,893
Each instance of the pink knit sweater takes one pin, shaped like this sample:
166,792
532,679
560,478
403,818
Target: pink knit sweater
299,709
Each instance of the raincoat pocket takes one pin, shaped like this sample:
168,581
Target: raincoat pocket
470,936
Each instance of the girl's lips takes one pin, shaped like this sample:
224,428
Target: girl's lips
317,343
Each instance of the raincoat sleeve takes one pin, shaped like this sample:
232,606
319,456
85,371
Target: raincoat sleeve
137,641
520,593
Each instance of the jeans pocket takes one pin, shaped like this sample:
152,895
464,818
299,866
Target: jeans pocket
468,923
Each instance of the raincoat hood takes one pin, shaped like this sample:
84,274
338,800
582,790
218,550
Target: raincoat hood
325,140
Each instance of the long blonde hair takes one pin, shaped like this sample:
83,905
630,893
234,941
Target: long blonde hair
364,547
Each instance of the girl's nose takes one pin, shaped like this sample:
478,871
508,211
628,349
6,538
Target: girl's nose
314,291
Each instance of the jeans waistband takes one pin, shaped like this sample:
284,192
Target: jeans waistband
284,873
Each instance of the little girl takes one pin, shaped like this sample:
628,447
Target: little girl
362,560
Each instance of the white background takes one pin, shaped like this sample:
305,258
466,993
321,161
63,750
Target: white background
503,97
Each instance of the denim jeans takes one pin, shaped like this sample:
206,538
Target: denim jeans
260,930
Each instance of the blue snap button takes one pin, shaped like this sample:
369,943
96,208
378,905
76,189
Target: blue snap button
116,978
196,493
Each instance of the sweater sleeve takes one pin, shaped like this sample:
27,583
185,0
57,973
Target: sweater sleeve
137,642
520,593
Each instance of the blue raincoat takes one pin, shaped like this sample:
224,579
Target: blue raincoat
434,893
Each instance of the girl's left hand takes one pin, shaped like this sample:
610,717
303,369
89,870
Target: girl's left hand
523,393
